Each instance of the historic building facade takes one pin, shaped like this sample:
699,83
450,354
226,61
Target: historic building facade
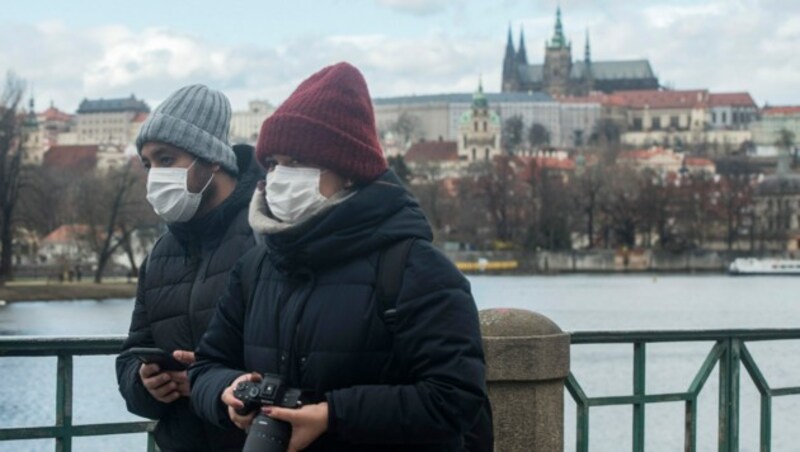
480,129
110,121
561,76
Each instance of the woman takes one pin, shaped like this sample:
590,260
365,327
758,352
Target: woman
329,209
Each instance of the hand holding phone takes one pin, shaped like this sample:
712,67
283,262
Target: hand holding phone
158,356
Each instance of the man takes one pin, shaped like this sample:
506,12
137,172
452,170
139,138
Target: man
201,187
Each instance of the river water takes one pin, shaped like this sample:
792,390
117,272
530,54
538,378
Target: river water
576,303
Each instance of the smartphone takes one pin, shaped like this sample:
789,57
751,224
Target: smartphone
164,360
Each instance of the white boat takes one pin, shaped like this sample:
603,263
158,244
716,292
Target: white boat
755,266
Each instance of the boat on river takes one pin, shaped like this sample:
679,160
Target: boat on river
756,266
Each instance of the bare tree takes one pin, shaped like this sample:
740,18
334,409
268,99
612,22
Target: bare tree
786,143
10,168
538,135
619,206
504,194
398,164
656,210
47,201
512,134
607,135
427,188
407,127
736,198
587,193
112,207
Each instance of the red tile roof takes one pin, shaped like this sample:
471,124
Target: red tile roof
698,161
54,114
534,165
604,99
432,151
731,99
642,154
785,110
655,99
67,233
75,157
140,117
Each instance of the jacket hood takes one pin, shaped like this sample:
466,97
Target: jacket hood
378,214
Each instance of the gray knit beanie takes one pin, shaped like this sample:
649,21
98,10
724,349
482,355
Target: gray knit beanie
196,119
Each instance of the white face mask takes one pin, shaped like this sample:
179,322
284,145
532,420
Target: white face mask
168,193
293,193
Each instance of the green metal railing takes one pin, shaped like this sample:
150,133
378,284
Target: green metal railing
65,349
729,352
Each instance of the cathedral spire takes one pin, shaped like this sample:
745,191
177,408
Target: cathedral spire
510,66
558,35
522,54
587,51
509,43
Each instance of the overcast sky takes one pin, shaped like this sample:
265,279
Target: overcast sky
263,48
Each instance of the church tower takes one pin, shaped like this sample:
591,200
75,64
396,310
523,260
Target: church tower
587,76
557,61
522,54
510,66
479,130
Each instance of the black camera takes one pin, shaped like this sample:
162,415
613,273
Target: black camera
267,434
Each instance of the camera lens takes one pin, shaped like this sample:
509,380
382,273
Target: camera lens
267,435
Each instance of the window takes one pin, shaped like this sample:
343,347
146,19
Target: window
673,122
486,154
476,125
724,117
714,117
484,126
656,123
637,123
474,154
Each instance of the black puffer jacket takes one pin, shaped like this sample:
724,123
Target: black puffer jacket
313,315
179,286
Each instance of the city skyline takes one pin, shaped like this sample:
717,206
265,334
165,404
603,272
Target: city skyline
84,49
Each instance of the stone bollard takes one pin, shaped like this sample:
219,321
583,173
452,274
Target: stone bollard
527,360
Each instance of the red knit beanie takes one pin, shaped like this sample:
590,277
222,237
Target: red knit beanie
327,121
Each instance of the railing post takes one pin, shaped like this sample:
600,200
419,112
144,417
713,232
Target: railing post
64,402
639,372
729,366
527,358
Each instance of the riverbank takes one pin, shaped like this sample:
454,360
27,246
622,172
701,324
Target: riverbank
44,291
601,261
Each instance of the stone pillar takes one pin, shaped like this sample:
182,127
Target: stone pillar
527,359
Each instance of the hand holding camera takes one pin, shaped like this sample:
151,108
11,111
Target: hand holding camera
273,412
266,434
235,405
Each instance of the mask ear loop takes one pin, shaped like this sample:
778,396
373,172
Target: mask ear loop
187,178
